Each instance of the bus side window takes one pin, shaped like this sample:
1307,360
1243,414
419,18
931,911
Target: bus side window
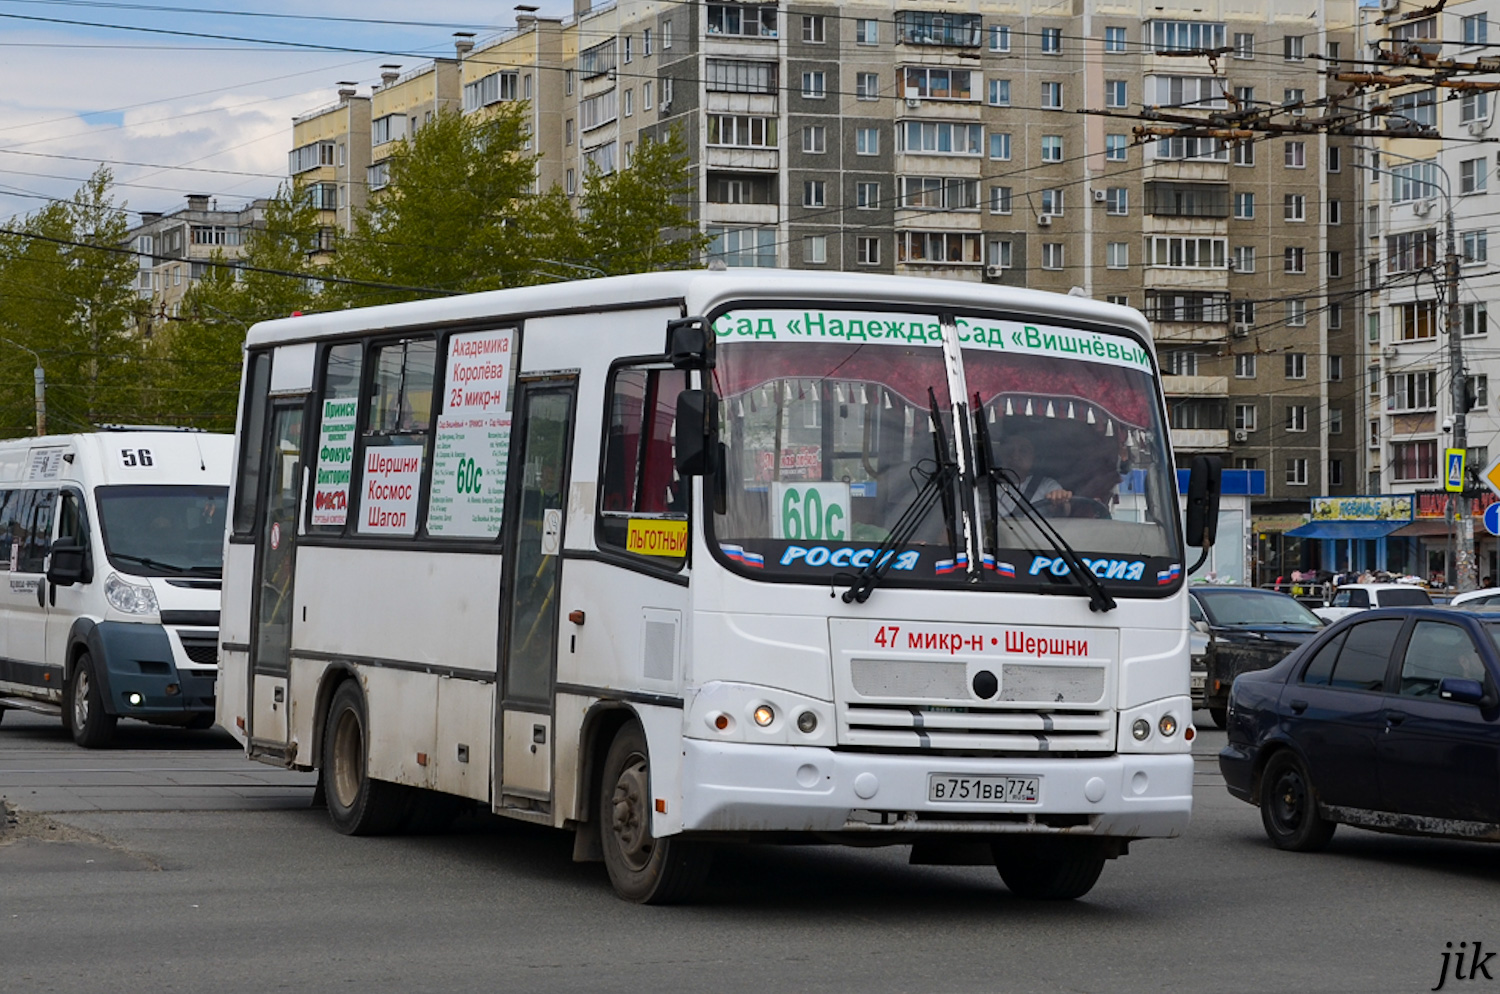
38,540
8,500
639,477
337,419
252,438
15,523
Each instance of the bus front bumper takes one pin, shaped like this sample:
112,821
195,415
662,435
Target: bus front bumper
739,787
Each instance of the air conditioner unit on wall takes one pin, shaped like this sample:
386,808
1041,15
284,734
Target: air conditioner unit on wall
1241,331
1241,435
1390,4
994,272
1098,196
1422,208
1390,352
912,103
1044,220
1476,128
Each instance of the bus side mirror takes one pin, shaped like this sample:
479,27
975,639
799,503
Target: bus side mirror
69,565
1203,501
697,432
690,344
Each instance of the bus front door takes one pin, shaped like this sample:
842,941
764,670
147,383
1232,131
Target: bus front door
533,571
275,567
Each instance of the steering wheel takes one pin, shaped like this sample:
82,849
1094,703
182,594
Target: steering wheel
1087,507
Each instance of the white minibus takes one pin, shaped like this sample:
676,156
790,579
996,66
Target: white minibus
112,543
683,559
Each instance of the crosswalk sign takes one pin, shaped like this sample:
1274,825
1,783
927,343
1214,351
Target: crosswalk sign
1453,479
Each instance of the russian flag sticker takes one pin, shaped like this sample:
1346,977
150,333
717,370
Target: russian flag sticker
1167,576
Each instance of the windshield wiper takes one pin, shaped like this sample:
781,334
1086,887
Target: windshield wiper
938,485
997,476
157,564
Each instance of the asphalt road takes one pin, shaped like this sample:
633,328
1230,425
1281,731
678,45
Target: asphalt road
172,864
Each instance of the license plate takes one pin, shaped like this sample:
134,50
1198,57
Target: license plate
1200,680
997,789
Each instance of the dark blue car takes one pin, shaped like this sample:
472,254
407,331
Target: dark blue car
1388,720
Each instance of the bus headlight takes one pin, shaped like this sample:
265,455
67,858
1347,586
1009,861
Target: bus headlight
764,715
128,597
1141,729
1168,725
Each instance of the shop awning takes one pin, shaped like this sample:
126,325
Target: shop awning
1347,529
1426,529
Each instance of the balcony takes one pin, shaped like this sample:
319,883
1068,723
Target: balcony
1195,386
1200,439
741,215
726,157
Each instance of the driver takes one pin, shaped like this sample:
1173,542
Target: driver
1017,456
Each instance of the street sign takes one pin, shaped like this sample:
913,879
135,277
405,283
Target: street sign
1492,519
1453,479
1491,476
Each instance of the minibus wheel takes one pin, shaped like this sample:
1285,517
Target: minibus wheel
642,868
357,803
84,707
1049,873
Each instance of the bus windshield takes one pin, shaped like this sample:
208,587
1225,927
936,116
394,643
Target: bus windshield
827,420
163,530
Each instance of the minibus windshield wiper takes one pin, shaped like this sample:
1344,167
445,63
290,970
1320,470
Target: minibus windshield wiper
157,564
938,486
997,477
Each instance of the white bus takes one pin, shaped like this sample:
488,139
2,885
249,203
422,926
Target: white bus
677,559
111,544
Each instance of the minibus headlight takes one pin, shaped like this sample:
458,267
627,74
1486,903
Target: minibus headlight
128,597
1140,729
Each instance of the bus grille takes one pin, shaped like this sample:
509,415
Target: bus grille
973,729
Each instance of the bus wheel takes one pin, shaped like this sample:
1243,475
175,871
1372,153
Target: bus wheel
642,868
1046,873
84,708
358,804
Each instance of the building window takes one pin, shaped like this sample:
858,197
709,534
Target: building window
1475,246
1244,258
1244,367
866,31
1052,41
1411,181
1052,202
1052,149
568,81
1335,421
1335,472
628,102
1474,108
666,33
814,138
1479,391
1119,299
1294,259
1291,48
1117,255
999,145
1116,200
934,83
1114,39
1335,159
1114,148
1114,93
923,28
812,29
1411,251
1244,417
938,247
1296,313
1412,461
814,86
1411,391
1189,306
1244,45
1296,469
1000,93
1186,252
1052,96
629,52
1296,365
1244,206
815,250
645,45
999,38
999,253
867,141
1052,255
1335,212
645,96
938,193
1294,207
814,193
866,196
1292,99
1000,200
1416,320
571,182
1244,153
1295,155
742,247
1179,362
1335,314
741,131
868,251
940,137
1476,28
1472,176
1244,313
1476,321
867,86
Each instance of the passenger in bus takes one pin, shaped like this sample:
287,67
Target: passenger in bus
1017,457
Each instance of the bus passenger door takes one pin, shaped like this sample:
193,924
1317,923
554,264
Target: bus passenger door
533,572
275,568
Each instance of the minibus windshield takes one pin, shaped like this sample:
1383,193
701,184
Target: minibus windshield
163,530
825,416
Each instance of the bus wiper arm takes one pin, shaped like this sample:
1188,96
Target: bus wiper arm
937,485
1099,598
153,563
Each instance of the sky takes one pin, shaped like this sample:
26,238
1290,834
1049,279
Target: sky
183,97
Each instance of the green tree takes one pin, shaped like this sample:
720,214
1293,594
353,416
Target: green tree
637,220
197,354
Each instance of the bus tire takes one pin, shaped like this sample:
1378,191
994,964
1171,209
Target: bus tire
642,868
1046,874
84,708
1220,716
358,804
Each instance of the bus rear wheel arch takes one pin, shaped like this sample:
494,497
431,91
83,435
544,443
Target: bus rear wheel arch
642,868
358,804
83,706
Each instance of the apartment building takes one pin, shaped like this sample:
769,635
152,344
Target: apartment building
400,105
946,140
331,155
174,248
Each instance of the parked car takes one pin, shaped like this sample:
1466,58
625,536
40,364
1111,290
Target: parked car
1352,598
1389,720
1248,629
1489,597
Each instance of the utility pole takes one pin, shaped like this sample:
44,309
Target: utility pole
41,399
1465,573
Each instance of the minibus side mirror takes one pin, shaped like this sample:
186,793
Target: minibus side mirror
697,432
1203,501
69,565
690,344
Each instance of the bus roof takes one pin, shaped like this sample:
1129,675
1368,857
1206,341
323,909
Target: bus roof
698,291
